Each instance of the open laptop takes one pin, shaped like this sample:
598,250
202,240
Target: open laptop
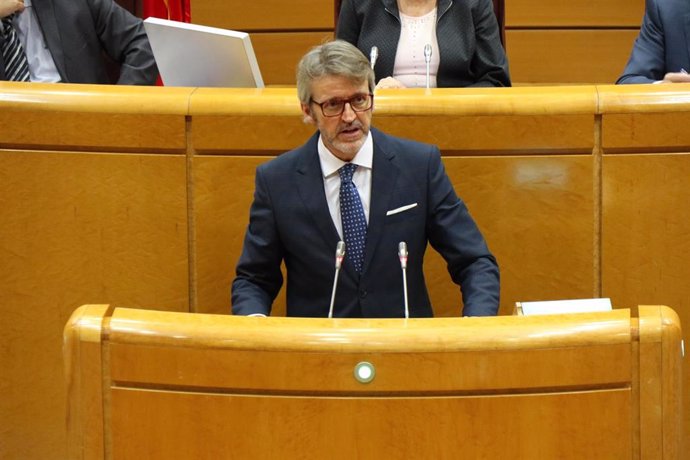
194,55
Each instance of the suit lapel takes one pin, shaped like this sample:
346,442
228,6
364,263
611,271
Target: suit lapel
45,13
384,175
310,189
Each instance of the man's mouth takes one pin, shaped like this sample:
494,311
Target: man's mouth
349,130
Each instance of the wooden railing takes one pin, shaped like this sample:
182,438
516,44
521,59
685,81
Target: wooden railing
167,385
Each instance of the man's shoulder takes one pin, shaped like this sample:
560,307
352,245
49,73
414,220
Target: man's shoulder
396,144
291,158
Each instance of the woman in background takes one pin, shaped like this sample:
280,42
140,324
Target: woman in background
463,35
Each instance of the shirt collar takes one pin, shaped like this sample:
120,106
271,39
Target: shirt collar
330,164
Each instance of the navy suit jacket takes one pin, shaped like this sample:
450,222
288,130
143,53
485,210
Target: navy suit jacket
290,222
663,44
79,32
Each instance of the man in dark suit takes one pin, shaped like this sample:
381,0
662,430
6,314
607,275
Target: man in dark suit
661,52
305,202
65,41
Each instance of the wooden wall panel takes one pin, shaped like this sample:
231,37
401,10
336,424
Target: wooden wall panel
77,228
645,244
279,53
183,386
223,192
582,13
86,131
105,226
568,56
264,15
381,432
530,209
544,203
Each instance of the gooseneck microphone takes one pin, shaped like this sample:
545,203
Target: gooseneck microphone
402,254
427,59
339,256
373,56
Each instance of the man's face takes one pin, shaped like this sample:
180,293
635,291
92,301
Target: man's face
343,134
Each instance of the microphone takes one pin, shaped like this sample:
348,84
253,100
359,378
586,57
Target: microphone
339,256
402,254
427,59
373,56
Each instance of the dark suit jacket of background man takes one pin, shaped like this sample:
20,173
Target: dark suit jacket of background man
290,219
663,44
77,31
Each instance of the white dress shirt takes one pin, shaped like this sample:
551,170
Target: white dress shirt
41,64
330,165
410,65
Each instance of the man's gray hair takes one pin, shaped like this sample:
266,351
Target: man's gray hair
335,58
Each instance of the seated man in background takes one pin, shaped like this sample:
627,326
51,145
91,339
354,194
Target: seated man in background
660,53
353,183
65,41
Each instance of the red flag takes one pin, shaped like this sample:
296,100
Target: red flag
175,10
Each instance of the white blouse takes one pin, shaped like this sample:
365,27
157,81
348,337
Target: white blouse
410,66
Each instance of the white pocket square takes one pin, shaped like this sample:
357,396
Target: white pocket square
401,209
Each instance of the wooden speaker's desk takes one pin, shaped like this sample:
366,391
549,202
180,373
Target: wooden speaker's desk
146,384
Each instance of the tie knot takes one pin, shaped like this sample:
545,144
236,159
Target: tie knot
347,171
7,22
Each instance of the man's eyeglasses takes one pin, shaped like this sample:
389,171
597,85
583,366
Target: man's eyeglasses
335,107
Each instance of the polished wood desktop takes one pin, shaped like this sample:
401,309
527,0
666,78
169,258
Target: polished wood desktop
165,385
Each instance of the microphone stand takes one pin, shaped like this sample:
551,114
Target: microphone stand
427,59
339,255
373,56
402,254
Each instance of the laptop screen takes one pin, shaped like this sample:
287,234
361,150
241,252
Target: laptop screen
194,55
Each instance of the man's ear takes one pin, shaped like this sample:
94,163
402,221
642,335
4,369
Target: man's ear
306,114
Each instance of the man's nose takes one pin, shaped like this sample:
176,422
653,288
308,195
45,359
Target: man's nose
348,114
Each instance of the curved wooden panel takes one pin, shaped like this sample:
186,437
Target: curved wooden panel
640,99
91,117
530,120
253,378
181,330
83,377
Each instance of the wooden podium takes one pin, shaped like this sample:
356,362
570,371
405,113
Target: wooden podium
162,385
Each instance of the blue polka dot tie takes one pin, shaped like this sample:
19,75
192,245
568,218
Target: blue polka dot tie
16,66
352,216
